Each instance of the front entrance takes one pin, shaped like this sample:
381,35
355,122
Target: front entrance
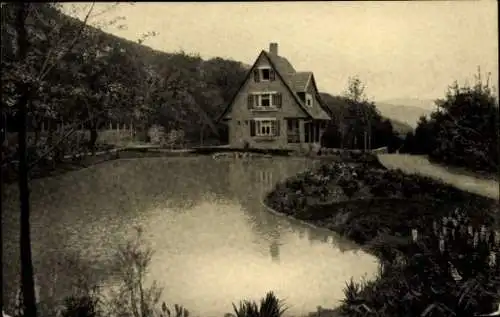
313,130
301,132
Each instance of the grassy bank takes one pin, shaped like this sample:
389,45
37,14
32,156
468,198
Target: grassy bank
421,230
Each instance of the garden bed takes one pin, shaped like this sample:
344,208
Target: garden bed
380,209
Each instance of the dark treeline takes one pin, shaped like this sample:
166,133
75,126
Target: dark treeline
462,131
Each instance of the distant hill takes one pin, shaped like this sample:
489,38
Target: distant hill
400,128
337,105
406,111
411,102
406,114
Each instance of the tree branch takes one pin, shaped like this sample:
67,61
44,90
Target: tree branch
44,72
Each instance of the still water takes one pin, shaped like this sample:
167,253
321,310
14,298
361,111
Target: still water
214,241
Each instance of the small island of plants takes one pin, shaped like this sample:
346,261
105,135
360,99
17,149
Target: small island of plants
437,245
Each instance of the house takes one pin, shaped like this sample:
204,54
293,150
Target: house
276,107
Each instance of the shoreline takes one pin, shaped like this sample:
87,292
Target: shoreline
88,160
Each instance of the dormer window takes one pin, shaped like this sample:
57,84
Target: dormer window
264,73
309,100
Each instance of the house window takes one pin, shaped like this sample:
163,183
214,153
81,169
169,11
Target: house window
264,101
264,127
309,100
264,74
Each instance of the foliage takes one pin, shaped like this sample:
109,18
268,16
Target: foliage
133,298
85,305
174,137
353,115
270,306
156,134
463,130
438,275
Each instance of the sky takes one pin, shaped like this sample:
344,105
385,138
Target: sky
399,49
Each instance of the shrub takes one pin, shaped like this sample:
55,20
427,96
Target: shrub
81,306
133,297
349,186
270,306
156,134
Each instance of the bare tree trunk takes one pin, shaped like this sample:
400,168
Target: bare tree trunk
365,139
93,137
27,281
201,135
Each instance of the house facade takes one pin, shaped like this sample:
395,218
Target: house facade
276,107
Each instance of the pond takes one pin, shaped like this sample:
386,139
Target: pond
214,241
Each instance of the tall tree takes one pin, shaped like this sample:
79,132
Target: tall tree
360,114
28,68
23,90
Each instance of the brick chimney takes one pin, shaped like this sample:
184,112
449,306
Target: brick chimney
273,48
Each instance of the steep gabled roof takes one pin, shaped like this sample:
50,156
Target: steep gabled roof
300,80
293,80
283,66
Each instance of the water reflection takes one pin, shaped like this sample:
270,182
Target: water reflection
215,242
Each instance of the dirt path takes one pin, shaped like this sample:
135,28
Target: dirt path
421,165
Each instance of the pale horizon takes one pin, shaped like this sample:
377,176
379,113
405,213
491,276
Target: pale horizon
400,50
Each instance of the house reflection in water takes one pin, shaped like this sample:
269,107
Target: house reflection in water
260,180
274,250
260,176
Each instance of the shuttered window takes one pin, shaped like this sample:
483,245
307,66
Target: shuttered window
272,75
256,75
277,100
264,101
265,73
264,127
252,127
250,101
277,128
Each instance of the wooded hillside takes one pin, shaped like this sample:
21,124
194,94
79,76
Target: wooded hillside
86,78
107,78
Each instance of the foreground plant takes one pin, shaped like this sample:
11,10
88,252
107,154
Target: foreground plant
443,274
270,306
133,298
